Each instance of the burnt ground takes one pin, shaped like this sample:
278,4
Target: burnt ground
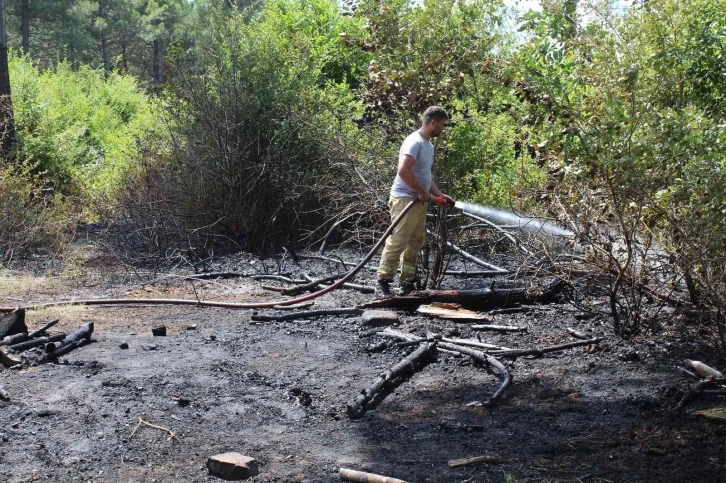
277,391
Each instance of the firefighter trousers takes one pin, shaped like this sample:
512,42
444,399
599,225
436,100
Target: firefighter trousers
405,242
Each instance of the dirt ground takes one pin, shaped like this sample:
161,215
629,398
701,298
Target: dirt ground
277,391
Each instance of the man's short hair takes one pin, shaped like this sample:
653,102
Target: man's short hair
434,112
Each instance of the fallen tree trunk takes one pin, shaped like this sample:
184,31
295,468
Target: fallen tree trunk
370,397
360,477
304,315
479,299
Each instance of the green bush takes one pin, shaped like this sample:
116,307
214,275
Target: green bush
78,128
32,219
259,103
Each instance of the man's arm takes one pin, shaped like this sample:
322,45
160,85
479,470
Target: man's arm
405,171
437,192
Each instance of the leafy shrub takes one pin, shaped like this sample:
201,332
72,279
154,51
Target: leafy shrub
257,107
32,219
80,129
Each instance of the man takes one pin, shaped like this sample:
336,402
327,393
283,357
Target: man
414,180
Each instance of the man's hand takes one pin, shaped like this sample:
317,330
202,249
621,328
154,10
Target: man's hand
424,197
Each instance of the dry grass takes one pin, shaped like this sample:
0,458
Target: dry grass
17,286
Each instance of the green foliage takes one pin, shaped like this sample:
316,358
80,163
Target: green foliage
78,128
84,32
268,92
31,218
423,53
630,118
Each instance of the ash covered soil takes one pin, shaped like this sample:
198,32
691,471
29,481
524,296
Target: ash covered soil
277,391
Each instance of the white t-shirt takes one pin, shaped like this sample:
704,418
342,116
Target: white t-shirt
422,151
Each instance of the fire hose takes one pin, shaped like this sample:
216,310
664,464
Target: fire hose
236,305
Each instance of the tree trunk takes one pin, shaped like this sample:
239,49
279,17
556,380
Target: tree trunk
124,55
158,60
104,48
25,25
104,40
7,127
478,299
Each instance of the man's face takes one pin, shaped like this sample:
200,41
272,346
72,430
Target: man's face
438,126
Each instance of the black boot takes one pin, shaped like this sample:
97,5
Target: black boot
407,287
383,289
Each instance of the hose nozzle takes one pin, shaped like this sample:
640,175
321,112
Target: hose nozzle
440,200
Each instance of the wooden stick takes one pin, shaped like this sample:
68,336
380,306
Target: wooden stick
303,305
473,274
374,394
146,423
501,230
540,351
83,332
63,350
500,328
697,389
504,375
42,329
492,460
469,256
213,275
311,285
14,339
273,289
361,477
511,310
394,334
410,339
352,286
278,278
305,314
475,343
576,334
29,344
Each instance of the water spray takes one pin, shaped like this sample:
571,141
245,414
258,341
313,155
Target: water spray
505,217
